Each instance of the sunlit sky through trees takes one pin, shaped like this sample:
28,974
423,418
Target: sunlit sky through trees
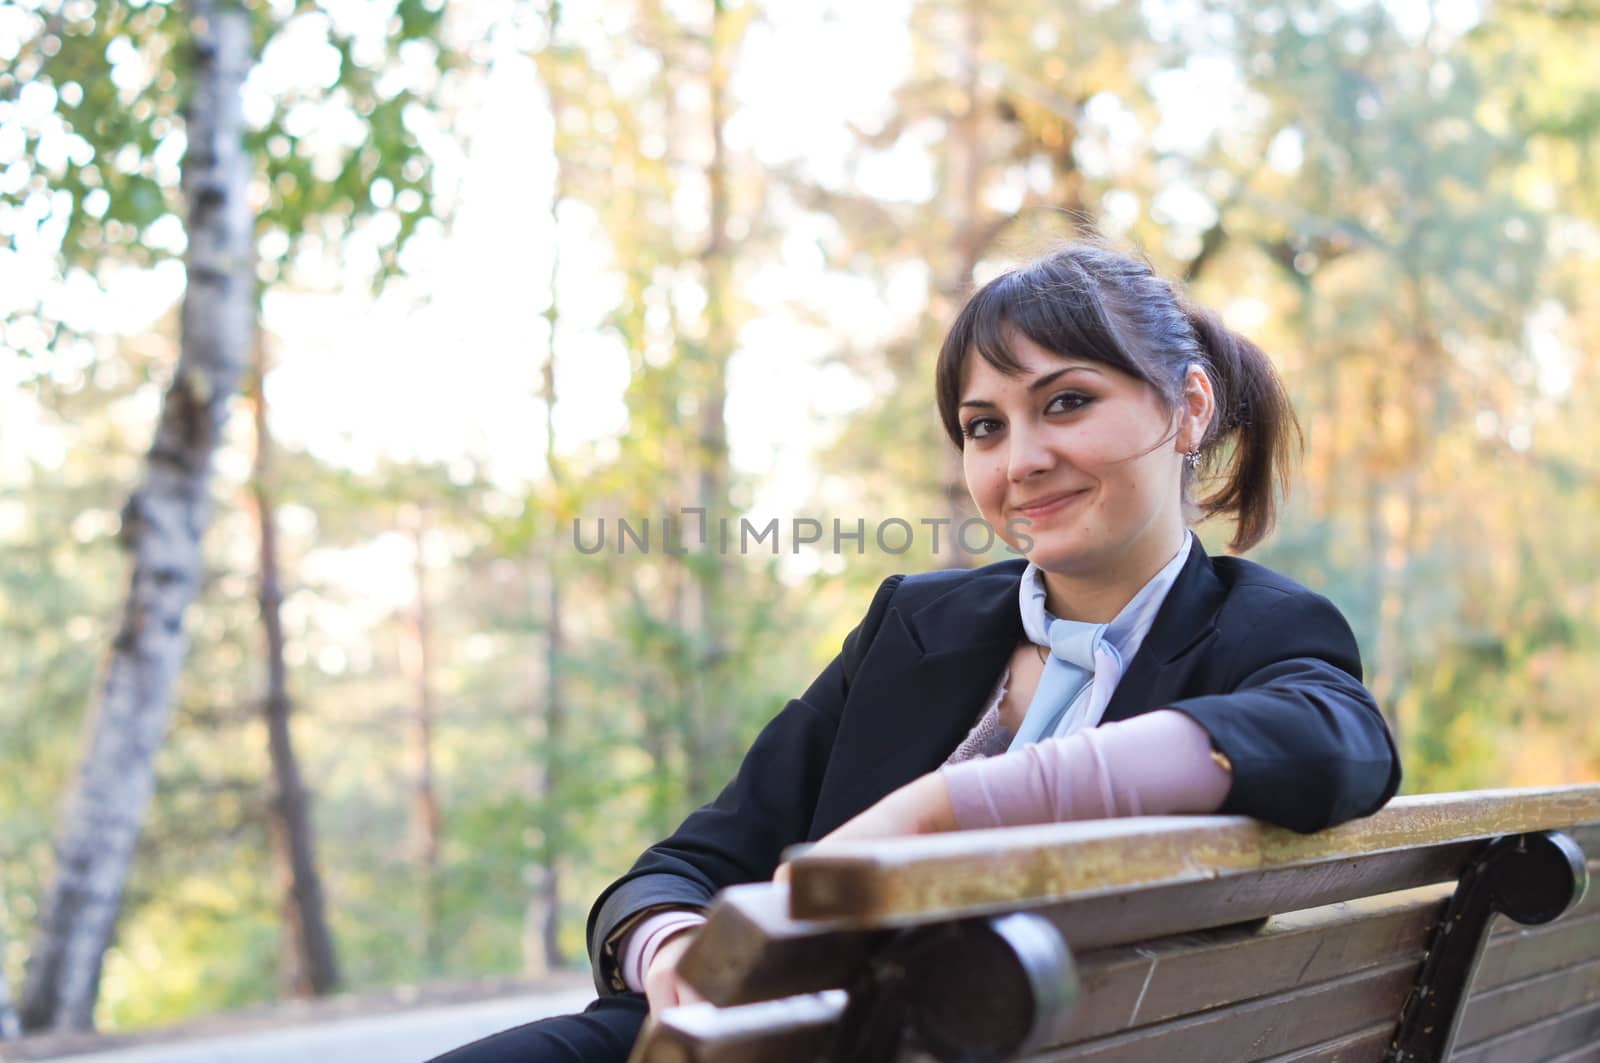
460,334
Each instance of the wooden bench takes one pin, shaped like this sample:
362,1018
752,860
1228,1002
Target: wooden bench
1448,926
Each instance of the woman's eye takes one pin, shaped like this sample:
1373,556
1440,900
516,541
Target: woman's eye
979,427
1068,401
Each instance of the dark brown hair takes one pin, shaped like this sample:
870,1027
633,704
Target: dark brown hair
1093,303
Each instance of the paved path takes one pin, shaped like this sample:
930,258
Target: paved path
396,1037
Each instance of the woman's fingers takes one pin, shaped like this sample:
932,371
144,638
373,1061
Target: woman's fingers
662,986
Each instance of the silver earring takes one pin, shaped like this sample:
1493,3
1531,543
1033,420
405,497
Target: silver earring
1192,459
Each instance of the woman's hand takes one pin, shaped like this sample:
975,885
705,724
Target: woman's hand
922,806
662,986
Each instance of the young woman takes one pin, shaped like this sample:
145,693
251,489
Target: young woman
1118,670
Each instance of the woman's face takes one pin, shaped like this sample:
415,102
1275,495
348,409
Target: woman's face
1080,458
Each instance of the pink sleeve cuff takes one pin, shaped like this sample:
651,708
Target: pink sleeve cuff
639,947
1158,763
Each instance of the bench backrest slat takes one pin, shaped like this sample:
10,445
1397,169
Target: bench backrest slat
1543,996
1131,986
1267,1026
944,875
1577,1033
1363,1045
1526,971
1115,919
1516,953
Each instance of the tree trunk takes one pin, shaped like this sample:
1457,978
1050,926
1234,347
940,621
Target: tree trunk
971,243
541,931
554,736
1403,509
309,965
424,801
541,920
161,528
10,1025
713,722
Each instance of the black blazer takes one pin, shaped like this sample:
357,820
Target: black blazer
1268,668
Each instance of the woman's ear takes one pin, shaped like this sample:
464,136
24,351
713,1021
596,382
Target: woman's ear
1197,407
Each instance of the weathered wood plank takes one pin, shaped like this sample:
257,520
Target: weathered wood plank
1588,839
1525,952
1122,918
1129,986
1575,1032
1582,1054
1523,1003
1259,1028
1363,1046
749,949
793,1030
874,883
1124,987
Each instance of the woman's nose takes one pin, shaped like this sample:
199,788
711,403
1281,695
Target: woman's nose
1028,455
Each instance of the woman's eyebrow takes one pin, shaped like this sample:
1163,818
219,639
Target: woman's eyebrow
1039,383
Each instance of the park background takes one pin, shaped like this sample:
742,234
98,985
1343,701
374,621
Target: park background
521,264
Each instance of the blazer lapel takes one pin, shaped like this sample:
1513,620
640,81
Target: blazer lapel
920,691
1183,625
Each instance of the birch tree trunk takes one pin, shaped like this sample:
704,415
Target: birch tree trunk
309,965
10,1025
424,799
161,528
711,722
541,930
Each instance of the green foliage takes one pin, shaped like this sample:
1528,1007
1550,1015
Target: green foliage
101,136
1402,217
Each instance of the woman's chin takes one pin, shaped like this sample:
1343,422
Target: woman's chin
1059,558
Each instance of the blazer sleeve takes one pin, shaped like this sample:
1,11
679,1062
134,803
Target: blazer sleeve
1308,745
768,806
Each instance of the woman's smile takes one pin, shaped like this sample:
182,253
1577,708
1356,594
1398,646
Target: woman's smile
1048,505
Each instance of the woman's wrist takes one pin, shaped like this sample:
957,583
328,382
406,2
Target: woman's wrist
638,950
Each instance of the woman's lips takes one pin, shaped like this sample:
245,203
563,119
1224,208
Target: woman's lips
1044,507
